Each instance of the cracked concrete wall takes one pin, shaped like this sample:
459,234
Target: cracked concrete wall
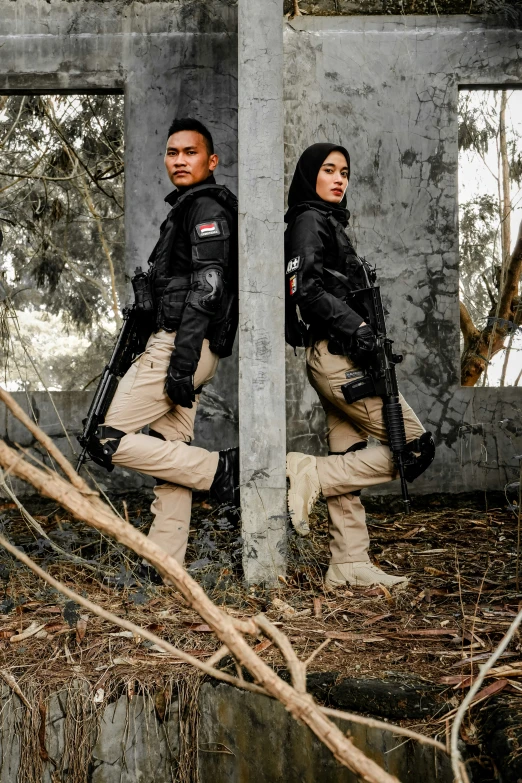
168,58
387,88
129,743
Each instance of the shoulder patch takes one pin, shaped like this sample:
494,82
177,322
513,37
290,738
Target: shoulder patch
293,265
209,229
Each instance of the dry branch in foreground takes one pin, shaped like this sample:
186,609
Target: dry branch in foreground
85,506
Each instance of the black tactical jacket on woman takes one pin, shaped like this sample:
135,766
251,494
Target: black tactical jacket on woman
316,248
193,272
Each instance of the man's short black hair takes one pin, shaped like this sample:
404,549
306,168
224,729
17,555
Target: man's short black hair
189,124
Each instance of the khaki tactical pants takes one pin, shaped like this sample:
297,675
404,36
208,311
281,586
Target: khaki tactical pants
340,476
140,400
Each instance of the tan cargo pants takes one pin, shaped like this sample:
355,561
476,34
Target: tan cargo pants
341,475
140,400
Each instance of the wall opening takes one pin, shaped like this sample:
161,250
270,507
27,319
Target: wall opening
490,241
62,273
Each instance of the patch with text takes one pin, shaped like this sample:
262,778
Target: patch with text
293,265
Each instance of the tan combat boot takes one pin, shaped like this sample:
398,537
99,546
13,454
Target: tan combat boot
361,574
301,470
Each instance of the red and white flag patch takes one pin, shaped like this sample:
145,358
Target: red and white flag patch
210,229
293,285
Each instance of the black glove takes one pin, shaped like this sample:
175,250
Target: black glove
179,386
363,344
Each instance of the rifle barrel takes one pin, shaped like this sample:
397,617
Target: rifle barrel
81,459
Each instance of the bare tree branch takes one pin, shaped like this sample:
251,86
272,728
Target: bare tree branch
512,278
205,666
467,327
301,705
296,668
75,479
484,669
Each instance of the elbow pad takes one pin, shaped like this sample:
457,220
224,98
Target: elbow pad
207,292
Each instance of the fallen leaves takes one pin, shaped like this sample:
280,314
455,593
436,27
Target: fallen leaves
264,645
33,629
13,684
483,694
434,571
81,628
288,612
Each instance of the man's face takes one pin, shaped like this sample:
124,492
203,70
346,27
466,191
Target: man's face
187,159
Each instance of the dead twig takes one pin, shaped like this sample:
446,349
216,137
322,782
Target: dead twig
10,680
484,669
46,442
218,655
301,705
316,652
296,668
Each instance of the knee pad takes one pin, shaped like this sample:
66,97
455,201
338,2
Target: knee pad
416,464
361,444
101,453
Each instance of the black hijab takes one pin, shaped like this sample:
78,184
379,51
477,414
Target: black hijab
302,190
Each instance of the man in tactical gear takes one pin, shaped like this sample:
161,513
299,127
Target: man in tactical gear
322,272
187,302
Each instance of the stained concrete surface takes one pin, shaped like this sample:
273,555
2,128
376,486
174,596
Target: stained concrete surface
129,745
246,737
387,88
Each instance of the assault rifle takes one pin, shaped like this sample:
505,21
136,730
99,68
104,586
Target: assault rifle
120,361
379,378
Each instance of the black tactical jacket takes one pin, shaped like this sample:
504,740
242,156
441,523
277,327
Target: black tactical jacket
315,246
197,244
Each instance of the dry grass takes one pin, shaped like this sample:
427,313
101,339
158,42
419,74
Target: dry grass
461,599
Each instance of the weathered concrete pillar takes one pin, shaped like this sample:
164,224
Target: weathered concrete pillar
261,302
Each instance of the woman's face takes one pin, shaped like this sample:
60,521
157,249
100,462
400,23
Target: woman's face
332,179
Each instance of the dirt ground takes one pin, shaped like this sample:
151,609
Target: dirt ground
461,599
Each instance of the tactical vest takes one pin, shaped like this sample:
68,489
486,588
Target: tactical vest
170,292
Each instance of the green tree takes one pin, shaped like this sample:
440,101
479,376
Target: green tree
490,308
61,218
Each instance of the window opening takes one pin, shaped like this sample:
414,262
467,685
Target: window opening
61,238
490,241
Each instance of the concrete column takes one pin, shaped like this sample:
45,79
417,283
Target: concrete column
261,289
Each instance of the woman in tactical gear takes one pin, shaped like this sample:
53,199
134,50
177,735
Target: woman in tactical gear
321,269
